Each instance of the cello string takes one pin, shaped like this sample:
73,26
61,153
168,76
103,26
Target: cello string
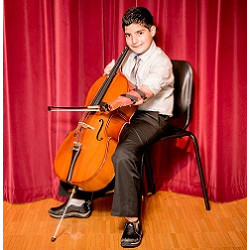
109,79
101,92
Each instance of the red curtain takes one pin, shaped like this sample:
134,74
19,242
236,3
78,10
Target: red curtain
55,50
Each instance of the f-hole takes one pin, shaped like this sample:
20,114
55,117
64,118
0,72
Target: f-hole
99,131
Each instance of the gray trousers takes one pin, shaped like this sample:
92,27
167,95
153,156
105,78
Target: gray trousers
145,128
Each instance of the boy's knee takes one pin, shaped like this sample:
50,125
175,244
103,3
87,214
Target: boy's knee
119,155
123,154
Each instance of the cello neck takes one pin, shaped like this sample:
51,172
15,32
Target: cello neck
100,94
119,62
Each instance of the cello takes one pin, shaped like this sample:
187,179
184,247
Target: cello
84,157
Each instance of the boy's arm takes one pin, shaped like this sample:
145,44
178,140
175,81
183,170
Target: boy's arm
135,96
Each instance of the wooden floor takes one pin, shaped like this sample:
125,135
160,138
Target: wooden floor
170,221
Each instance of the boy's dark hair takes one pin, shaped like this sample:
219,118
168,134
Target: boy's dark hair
138,15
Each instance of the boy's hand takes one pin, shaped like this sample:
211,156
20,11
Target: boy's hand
104,107
108,68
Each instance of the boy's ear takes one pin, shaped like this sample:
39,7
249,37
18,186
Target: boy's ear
153,30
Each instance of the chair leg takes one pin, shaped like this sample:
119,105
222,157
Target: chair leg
198,159
148,172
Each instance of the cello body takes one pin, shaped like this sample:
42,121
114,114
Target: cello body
84,157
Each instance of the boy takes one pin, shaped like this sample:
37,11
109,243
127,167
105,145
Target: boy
149,69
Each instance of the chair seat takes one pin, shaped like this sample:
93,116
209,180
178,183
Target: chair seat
176,133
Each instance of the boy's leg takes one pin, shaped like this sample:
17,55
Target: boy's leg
82,202
145,128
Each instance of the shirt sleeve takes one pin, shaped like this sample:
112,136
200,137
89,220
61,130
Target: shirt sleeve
160,75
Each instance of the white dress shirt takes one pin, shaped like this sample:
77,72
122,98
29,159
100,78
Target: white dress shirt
155,71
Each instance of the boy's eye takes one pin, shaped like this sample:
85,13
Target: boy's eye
127,35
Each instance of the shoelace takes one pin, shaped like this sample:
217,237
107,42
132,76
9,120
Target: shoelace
130,228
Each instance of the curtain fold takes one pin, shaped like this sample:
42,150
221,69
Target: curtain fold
55,50
222,65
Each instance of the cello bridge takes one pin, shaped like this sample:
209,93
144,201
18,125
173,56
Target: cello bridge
85,125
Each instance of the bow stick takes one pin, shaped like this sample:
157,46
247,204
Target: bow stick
74,109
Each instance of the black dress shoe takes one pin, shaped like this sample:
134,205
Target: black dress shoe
132,235
82,211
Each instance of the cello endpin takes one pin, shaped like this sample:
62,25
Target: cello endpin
53,238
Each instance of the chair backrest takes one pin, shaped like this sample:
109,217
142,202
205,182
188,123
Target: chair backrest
183,85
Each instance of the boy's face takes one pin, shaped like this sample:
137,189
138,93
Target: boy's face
138,37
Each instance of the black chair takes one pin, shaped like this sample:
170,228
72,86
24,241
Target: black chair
181,117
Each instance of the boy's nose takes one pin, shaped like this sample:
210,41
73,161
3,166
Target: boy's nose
134,40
